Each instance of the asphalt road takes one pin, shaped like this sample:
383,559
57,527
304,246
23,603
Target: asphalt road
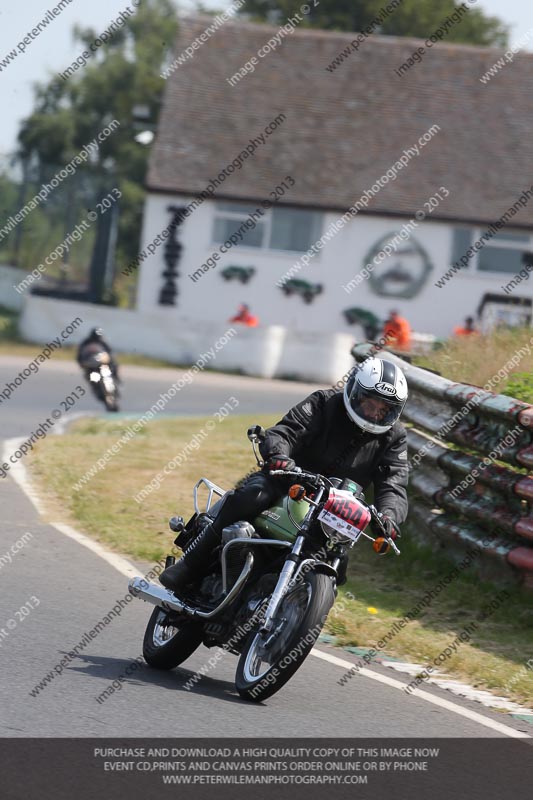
37,395
66,589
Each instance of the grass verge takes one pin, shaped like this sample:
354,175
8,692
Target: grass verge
476,359
385,588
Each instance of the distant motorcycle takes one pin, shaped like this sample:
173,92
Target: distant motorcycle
97,365
271,583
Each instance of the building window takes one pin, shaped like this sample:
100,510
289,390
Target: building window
280,228
462,240
294,229
229,218
503,253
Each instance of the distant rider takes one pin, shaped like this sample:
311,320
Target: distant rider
93,344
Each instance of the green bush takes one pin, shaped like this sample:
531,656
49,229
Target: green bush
520,386
8,325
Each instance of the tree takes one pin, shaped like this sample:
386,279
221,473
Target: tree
123,75
418,18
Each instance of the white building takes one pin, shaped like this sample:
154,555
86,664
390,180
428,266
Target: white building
435,156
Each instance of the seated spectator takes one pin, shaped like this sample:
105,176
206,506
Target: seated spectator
244,316
397,331
468,328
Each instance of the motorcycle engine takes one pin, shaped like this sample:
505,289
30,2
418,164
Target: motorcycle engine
211,587
236,554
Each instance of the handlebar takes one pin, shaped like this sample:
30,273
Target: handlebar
298,472
321,480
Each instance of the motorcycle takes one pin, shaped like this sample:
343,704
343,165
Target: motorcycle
97,367
271,583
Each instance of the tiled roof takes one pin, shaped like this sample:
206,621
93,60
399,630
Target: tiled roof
344,129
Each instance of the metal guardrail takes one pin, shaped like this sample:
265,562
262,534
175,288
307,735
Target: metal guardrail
469,454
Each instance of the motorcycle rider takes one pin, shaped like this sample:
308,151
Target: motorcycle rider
352,434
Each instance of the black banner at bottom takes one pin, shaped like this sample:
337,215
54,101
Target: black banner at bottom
76,769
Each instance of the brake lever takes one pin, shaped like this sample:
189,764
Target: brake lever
393,545
376,518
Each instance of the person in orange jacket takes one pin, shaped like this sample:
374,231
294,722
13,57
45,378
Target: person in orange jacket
468,328
244,317
397,331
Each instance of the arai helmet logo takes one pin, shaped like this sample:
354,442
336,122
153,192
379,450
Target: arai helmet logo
385,388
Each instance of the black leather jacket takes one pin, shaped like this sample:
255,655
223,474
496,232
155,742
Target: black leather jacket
318,434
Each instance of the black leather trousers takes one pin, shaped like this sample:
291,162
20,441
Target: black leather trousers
257,493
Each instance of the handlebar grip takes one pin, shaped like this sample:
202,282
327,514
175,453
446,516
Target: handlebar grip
287,472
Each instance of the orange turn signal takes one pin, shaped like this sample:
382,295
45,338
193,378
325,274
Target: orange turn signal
297,492
381,545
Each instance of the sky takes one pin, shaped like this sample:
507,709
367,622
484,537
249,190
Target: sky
54,50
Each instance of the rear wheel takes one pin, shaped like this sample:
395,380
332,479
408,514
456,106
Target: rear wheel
268,661
167,642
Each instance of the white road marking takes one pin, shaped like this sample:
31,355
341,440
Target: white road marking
430,698
19,474
458,687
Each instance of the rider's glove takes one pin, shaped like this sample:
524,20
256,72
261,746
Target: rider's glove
279,462
391,528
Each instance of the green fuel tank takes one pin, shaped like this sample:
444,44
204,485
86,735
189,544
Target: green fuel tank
281,521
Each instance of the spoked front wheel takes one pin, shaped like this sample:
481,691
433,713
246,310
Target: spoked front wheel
168,642
269,660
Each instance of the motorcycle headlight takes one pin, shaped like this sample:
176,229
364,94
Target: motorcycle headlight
331,533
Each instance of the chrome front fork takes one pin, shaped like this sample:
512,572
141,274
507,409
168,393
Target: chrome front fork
283,585
290,567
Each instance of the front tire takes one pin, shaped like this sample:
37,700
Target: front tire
168,643
110,402
268,662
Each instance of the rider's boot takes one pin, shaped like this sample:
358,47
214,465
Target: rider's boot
193,563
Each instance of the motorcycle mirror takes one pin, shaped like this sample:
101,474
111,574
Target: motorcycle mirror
297,492
381,546
256,433
176,524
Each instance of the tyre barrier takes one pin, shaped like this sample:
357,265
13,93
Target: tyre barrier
469,454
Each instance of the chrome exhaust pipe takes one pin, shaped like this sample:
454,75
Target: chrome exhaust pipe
158,596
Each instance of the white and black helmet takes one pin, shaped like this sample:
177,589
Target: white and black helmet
375,379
